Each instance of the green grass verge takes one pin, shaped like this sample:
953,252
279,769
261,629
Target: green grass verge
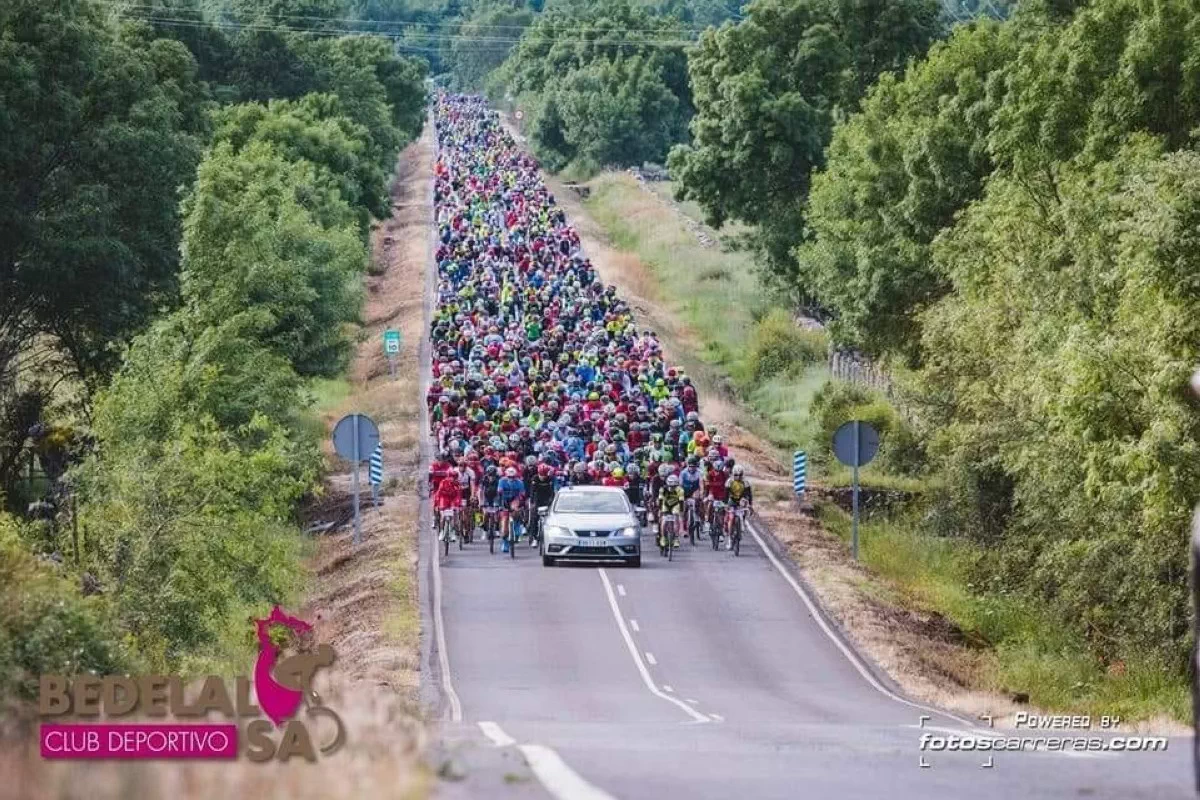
1030,650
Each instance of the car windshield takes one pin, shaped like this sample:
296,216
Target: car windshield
590,503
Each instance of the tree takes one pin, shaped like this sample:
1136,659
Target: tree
897,173
82,111
484,40
269,244
767,93
601,82
311,130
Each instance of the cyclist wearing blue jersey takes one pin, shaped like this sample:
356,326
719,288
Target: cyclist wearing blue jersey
689,480
512,494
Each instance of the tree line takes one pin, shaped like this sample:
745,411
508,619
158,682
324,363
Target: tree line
190,207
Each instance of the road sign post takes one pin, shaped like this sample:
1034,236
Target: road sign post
375,473
855,444
355,436
391,347
799,472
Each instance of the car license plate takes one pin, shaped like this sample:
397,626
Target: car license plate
588,544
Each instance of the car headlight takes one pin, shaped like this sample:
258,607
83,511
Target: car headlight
557,530
631,533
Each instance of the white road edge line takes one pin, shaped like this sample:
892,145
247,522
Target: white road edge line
637,658
494,732
650,659
633,624
850,655
456,714
559,779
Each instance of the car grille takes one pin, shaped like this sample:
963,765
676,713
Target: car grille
595,551
593,534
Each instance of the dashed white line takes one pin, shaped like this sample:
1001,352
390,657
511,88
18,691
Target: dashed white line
633,624
496,734
440,623
621,589
667,688
637,658
717,717
691,700
559,779
650,658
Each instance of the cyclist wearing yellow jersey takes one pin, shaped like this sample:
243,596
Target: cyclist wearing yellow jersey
739,491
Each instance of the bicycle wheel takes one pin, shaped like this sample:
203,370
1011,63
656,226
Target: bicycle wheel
671,544
491,534
445,539
692,528
737,536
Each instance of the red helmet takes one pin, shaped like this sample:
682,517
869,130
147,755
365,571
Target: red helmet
543,470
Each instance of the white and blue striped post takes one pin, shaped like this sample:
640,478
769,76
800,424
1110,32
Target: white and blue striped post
375,472
799,472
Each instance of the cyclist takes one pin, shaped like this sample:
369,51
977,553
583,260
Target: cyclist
512,492
715,495
541,494
448,496
489,489
739,492
670,501
689,480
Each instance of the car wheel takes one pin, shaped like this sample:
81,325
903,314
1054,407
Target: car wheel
547,561
635,562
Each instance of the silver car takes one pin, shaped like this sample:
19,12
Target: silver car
591,523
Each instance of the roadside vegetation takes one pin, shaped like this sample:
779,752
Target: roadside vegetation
170,353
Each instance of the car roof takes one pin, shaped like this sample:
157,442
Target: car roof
609,489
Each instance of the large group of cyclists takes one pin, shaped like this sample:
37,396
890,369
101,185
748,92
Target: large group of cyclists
540,378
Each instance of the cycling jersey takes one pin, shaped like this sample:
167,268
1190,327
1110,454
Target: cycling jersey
689,481
511,489
670,501
737,489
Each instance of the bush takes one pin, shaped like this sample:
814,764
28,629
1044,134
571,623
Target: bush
46,625
837,402
778,346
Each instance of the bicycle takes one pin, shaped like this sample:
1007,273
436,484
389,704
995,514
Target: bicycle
717,524
666,536
510,517
691,522
737,523
491,524
446,530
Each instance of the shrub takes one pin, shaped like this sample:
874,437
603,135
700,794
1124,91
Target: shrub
46,625
837,402
778,346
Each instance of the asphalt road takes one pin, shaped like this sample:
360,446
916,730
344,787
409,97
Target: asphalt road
707,677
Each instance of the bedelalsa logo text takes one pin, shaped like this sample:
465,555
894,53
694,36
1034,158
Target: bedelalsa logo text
280,687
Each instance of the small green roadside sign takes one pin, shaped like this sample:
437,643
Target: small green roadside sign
391,342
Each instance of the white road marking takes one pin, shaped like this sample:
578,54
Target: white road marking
621,589
717,717
637,658
650,659
559,779
850,655
440,624
668,689
692,700
633,624
496,734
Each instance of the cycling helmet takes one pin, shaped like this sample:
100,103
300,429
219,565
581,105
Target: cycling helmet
672,481
618,473
511,472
